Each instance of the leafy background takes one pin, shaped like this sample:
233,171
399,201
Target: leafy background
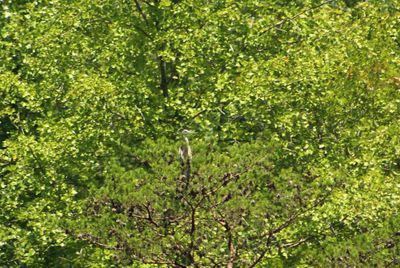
295,108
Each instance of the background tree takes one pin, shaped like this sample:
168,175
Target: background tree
295,106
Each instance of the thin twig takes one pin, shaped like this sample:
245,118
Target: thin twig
284,225
95,241
295,16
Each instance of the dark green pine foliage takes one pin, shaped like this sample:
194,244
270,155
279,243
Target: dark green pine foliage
238,206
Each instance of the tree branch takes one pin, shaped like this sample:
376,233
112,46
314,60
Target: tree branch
163,76
231,247
142,31
150,218
95,241
295,16
140,10
284,225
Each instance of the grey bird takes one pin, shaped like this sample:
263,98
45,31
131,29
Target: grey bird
185,153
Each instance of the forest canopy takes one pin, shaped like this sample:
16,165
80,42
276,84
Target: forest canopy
199,133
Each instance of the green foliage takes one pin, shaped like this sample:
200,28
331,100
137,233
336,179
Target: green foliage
295,105
238,203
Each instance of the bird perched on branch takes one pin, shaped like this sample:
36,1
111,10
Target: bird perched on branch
185,153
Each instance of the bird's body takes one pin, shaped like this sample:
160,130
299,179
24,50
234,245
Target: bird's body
185,154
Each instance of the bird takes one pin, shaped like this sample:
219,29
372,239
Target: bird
185,154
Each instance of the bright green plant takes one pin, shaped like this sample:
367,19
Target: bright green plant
304,94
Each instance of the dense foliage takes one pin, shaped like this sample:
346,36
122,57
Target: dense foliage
295,109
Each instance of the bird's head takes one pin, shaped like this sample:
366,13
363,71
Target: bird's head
186,132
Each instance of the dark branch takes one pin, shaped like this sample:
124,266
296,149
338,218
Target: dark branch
140,10
231,247
295,16
286,224
142,31
163,76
